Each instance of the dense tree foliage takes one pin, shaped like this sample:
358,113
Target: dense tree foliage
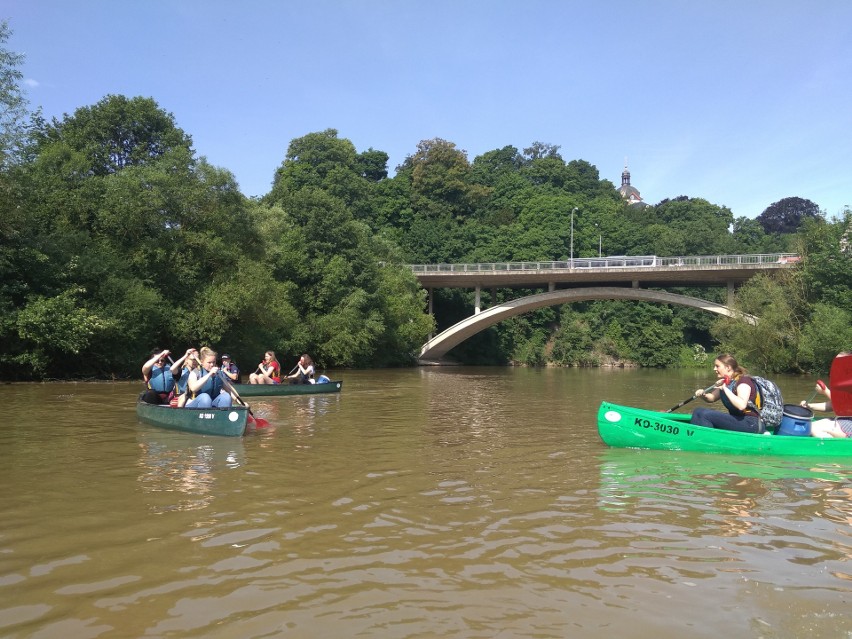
787,215
117,238
13,102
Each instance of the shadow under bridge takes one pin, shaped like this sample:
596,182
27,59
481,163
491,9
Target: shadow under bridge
437,347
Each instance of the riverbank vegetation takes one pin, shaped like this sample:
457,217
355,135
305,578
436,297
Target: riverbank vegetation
117,237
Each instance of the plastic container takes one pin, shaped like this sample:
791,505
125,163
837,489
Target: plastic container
796,421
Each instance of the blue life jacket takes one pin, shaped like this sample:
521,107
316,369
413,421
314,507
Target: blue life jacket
161,379
182,381
213,385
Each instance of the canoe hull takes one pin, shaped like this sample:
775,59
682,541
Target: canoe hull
286,390
627,427
229,422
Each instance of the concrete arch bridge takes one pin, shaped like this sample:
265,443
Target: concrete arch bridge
605,278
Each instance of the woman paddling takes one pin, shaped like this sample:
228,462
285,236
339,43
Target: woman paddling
305,374
738,393
268,371
207,386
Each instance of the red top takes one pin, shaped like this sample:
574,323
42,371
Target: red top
275,374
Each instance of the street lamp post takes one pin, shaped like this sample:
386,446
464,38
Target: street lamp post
574,210
600,239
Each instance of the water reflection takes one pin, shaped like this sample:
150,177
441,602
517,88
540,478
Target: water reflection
183,468
770,509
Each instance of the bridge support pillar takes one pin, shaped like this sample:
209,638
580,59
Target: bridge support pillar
493,297
551,286
431,295
635,283
477,306
730,294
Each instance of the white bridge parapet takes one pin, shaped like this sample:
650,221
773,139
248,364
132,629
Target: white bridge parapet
655,271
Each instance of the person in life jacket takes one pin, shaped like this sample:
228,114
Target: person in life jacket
207,386
159,377
230,369
736,391
268,371
305,374
190,363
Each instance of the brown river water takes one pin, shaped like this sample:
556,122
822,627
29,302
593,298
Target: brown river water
434,502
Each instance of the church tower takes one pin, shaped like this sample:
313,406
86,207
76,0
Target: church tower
628,192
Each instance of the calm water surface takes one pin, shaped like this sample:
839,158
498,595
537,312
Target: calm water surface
454,502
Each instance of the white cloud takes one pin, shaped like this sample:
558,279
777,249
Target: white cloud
31,83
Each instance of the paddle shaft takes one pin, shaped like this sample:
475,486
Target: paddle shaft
821,384
686,401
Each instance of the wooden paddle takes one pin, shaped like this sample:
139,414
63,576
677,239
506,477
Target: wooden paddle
694,396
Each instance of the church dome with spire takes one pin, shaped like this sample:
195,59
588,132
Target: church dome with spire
628,192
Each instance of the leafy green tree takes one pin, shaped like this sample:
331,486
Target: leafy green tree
55,328
353,302
132,228
573,341
116,133
323,160
689,226
492,166
749,235
827,261
441,181
827,332
770,344
372,165
787,215
13,102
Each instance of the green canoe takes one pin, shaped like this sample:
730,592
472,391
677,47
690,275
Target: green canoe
627,427
283,390
205,421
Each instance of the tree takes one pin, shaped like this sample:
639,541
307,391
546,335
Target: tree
323,160
749,235
116,133
770,344
372,164
827,332
13,103
441,180
787,215
131,227
827,262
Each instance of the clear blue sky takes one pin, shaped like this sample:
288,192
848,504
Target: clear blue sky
740,102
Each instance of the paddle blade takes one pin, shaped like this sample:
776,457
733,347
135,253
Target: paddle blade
840,384
257,422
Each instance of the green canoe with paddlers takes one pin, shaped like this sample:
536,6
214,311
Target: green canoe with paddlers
231,421
628,427
285,390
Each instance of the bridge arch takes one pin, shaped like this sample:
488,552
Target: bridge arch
438,346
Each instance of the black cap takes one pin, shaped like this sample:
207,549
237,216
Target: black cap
226,357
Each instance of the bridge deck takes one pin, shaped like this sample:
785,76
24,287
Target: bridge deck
648,270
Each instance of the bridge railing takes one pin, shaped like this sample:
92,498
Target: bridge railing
619,261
